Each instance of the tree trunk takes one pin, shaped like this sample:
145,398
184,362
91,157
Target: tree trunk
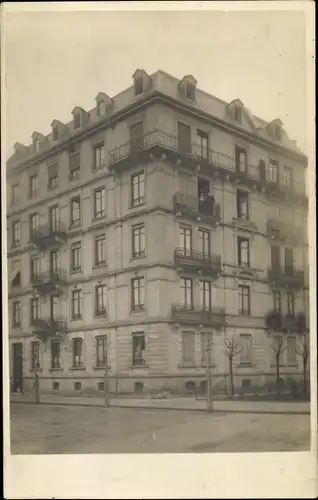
231,377
277,375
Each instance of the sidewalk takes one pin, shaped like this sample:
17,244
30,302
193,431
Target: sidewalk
185,404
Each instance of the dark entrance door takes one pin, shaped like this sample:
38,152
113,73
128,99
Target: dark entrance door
136,137
17,381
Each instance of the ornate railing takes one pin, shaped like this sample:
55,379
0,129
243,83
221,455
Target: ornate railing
50,277
294,277
50,325
192,314
198,259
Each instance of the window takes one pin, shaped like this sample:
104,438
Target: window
187,341
77,121
101,108
278,132
54,219
100,252
240,159
33,186
244,299
16,313
76,256
138,241
185,241
55,354
34,266
35,309
277,301
54,261
138,189
16,233
205,295
275,257
101,350
99,157
138,341
238,113
204,243
54,304
36,144
202,145
291,350
186,290
288,177
246,348
15,194
53,176
55,133
100,300
138,293
75,211
34,225
35,355
290,304
16,273
243,246
272,172
75,166
289,261
242,202
190,91
184,137
206,341
139,87
76,304
78,353
99,203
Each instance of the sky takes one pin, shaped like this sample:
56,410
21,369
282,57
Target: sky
57,60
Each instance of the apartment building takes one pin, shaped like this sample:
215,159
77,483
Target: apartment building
161,219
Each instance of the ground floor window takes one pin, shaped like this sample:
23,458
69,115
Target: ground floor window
187,341
55,354
138,341
78,353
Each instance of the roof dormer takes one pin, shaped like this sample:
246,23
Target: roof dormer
37,141
59,130
274,128
142,81
20,150
104,104
188,87
80,117
235,110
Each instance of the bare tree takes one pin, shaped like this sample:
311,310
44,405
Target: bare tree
277,345
232,349
303,351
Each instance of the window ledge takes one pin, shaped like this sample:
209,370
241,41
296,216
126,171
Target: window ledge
273,365
188,365
76,271
138,205
77,368
56,369
141,309
292,365
99,266
138,367
99,219
101,367
245,364
137,257
76,319
100,315
33,370
74,226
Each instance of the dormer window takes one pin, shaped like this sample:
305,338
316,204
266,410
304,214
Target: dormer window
101,108
139,85
37,145
278,132
190,91
237,113
77,121
55,133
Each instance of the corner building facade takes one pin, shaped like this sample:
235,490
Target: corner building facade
158,220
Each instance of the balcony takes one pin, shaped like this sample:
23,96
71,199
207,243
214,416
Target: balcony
46,237
192,207
197,261
278,322
195,315
49,327
281,231
290,278
50,281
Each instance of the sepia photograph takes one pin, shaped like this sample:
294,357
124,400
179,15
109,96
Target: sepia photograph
157,185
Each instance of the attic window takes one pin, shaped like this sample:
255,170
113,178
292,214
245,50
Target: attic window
101,108
278,132
237,113
55,133
77,121
36,145
190,91
139,86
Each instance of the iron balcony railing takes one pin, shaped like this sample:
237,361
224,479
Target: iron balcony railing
184,256
279,322
186,202
293,277
283,231
192,314
46,235
53,277
50,325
